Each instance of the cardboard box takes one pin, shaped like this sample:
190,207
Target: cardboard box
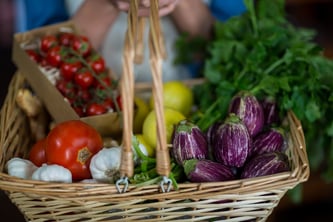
107,124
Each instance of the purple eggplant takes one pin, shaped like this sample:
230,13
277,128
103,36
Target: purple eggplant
271,111
266,164
232,142
269,140
245,105
207,171
188,142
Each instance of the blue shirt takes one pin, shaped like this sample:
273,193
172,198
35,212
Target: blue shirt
222,10
36,13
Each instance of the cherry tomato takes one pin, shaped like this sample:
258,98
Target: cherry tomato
69,68
54,56
97,63
108,103
84,95
95,109
79,110
47,42
104,82
65,87
71,144
82,45
34,55
119,101
84,79
37,153
43,62
66,38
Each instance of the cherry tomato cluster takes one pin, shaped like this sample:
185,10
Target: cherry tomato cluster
83,78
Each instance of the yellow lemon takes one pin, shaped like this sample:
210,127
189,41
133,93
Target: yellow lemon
149,131
177,96
141,111
144,146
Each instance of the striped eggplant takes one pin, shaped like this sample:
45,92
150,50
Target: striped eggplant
232,142
245,105
207,171
265,164
188,142
210,136
272,139
271,111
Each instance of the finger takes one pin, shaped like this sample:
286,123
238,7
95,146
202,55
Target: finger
122,5
167,9
163,9
161,3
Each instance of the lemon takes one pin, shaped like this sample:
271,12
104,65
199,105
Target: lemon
149,130
177,96
144,146
141,111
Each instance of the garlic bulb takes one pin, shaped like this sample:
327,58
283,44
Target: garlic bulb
52,173
104,166
21,168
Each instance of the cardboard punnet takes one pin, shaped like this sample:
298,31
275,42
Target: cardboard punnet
107,124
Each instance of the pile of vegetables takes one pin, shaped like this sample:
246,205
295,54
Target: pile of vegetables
74,151
77,70
249,142
262,52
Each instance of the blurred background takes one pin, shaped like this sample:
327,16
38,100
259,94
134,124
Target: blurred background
317,195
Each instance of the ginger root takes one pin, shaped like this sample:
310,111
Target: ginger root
35,111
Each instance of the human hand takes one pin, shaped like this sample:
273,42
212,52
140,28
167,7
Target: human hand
165,6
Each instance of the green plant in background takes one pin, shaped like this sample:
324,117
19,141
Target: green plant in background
261,51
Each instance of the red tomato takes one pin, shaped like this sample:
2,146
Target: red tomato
84,95
108,103
54,56
66,87
97,63
84,79
37,153
82,45
72,144
69,68
119,102
104,82
95,109
47,42
66,38
43,62
79,110
34,55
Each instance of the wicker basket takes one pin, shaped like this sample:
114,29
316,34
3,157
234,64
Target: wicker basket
236,200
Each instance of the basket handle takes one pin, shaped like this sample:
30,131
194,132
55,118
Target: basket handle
157,53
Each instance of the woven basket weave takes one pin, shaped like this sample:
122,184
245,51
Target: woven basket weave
237,200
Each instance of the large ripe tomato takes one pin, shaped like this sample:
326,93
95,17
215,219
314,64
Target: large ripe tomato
37,153
71,144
